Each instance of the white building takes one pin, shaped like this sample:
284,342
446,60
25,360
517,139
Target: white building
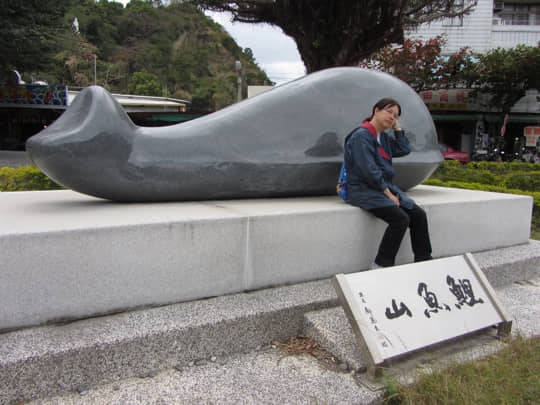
492,24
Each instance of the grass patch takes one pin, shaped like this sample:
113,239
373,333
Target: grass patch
508,377
535,228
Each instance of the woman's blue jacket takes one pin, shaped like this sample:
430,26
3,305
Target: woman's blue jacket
368,172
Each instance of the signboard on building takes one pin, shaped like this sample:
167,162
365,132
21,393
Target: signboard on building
255,90
33,95
532,134
453,99
399,309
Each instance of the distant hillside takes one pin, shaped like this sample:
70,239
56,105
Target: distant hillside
173,51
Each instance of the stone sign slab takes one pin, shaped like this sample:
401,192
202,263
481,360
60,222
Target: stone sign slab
397,310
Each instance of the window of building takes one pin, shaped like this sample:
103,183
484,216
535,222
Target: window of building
455,21
519,14
535,15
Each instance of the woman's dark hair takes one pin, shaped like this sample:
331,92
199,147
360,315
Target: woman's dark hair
383,103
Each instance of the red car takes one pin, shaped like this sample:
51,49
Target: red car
450,153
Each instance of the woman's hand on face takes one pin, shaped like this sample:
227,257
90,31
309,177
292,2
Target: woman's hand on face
396,126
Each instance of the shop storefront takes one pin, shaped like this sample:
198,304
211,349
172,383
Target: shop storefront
469,125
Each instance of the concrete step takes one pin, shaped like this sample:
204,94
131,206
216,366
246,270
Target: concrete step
331,329
51,360
43,361
265,376
505,266
269,376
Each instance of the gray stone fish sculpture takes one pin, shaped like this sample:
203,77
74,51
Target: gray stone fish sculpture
283,143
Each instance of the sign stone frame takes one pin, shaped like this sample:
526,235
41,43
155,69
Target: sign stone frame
440,299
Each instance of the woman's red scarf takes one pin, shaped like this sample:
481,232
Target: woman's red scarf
369,126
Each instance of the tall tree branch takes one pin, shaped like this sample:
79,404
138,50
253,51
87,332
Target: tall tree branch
340,32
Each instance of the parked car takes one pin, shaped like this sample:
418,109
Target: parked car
450,153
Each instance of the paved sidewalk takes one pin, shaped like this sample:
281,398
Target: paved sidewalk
268,376
13,158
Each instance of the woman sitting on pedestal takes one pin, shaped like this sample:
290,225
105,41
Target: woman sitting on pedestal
368,160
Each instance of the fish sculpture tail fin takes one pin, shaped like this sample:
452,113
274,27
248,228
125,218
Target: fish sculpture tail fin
93,136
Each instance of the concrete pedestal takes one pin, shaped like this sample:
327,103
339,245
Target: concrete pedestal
68,256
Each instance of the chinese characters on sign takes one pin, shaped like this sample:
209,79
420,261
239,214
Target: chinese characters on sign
396,312
462,290
455,99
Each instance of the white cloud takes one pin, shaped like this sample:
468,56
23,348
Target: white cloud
274,51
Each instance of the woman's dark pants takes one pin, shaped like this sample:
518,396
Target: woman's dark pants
399,219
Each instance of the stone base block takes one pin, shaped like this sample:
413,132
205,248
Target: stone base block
69,256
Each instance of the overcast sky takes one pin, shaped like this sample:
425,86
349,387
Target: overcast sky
275,52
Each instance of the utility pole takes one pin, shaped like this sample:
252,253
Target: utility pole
238,66
95,70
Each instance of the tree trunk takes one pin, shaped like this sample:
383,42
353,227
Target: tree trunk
339,33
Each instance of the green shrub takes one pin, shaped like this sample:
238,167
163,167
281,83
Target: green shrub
502,177
522,166
25,178
485,187
518,175
499,168
535,223
502,168
529,181
452,172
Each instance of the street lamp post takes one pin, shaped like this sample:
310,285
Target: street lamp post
238,66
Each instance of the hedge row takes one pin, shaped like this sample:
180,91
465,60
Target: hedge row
25,178
512,178
510,175
487,187
501,167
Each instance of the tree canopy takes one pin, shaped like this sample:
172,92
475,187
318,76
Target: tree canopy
503,75
506,74
146,47
422,65
340,32
177,51
30,32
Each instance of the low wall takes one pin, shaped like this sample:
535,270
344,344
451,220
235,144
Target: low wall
69,256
